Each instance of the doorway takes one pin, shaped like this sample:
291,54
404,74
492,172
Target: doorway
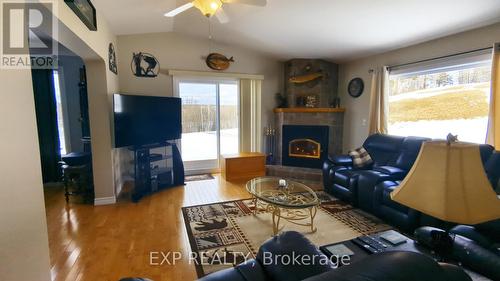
210,121
62,116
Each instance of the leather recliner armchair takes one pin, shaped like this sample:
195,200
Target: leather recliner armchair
394,266
393,157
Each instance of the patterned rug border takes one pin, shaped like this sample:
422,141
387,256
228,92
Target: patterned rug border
192,238
192,242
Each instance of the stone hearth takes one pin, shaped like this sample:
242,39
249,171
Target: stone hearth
305,175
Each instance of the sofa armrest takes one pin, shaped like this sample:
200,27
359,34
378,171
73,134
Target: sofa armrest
395,266
341,160
453,272
474,256
226,274
471,233
378,192
337,160
395,172
290,256
250,270
333,164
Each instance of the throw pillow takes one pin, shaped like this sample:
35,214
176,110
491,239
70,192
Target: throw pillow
360,158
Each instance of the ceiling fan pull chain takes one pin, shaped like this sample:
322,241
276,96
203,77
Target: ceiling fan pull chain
209,36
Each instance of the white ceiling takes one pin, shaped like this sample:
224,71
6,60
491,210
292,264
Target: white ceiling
334,29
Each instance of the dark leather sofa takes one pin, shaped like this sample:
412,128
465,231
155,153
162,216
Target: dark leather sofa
407,219
370,188
393,157
388,266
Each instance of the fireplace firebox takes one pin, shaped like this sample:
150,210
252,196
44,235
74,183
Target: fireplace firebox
304,146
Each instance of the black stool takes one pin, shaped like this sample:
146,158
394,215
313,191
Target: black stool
77,181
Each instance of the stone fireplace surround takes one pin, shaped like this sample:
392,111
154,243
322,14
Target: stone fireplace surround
331,117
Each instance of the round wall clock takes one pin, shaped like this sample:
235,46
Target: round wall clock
356,87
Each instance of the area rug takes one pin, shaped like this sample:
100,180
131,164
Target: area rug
224,234
202,177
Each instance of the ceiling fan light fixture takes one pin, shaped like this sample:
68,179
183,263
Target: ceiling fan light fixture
208,7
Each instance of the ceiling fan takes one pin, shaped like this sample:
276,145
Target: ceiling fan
214,7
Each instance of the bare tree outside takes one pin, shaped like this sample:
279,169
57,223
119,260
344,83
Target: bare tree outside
200,120
435,104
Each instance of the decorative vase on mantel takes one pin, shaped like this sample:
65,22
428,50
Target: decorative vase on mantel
281,100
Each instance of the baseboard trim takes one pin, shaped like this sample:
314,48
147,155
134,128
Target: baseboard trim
104,201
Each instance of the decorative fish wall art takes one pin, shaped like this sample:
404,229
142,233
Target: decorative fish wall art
218,61
300,79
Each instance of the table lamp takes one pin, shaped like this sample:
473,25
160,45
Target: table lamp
448,182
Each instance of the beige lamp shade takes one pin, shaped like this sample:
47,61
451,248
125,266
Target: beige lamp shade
448,182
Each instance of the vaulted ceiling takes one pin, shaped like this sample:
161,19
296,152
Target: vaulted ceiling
334,29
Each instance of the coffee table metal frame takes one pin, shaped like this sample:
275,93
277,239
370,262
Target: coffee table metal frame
288,204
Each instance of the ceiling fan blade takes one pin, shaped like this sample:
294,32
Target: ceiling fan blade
261,3
179,10
221,16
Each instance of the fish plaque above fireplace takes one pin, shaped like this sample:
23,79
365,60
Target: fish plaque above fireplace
311,83
304,146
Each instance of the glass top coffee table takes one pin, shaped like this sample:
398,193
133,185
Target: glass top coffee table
284,199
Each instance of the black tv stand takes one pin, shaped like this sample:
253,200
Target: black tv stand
156,167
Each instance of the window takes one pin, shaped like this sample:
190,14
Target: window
210,120
445,96
59,112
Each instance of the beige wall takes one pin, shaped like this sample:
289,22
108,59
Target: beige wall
180,52
355,129
92,46
24,253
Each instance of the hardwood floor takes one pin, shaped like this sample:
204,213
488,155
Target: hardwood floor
112,242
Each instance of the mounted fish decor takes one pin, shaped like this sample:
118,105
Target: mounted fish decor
301,79
217,61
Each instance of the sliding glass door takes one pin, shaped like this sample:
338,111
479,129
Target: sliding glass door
210,121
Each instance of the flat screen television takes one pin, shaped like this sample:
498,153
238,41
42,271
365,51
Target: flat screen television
145,120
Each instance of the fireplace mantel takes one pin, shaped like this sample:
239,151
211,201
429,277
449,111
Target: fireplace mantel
309,110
